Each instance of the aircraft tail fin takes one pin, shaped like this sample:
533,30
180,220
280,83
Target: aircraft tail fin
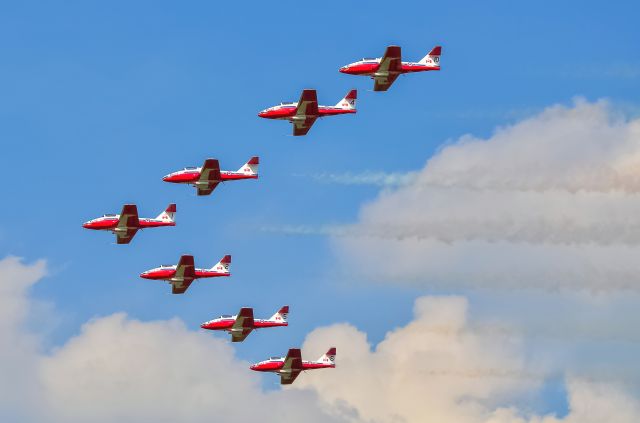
433,58
281,315
223,266
349,100
250,168
169,214
329,357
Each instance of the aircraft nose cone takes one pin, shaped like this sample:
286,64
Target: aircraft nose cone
144,275
262,114
203,326
86,225
253,367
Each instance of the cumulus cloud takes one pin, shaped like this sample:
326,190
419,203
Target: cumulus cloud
439,368
550,202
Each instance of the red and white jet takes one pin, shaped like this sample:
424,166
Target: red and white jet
241,325
305,112
207,177
181,275
126,224
289,367
384,70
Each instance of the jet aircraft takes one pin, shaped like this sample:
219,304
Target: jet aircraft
241,325
384,70
289,367
304,113
126,224
181,275
207,177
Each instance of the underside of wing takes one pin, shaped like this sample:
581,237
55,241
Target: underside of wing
179,287
308,104
240,336
382,83
302,127
288,378
206,189
125,237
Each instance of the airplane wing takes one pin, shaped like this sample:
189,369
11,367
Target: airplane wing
292,367
390,66
301,127
308,104
185,274
209,177
243,325
128,224
382,83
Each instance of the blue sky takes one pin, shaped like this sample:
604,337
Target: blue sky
100,100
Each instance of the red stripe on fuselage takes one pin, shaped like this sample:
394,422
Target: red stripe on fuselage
370,69
274,366
228,323
290,112
191,177
167,274
110,224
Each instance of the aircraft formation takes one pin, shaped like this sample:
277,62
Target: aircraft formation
302,115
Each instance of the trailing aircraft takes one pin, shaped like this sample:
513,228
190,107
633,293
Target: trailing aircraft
292,365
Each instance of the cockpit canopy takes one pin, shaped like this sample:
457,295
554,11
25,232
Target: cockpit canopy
190,168
369,59
225,316
275,358
288,103
166,265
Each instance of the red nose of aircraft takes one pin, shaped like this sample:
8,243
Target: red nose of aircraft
344,69
253,366
261,114
145,275
86,225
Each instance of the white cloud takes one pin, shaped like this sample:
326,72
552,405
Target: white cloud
436,368
548,203
439,368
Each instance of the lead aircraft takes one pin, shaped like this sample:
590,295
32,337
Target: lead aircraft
126,224
207,177
304,113
289,367
384,70
182,274
241,325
